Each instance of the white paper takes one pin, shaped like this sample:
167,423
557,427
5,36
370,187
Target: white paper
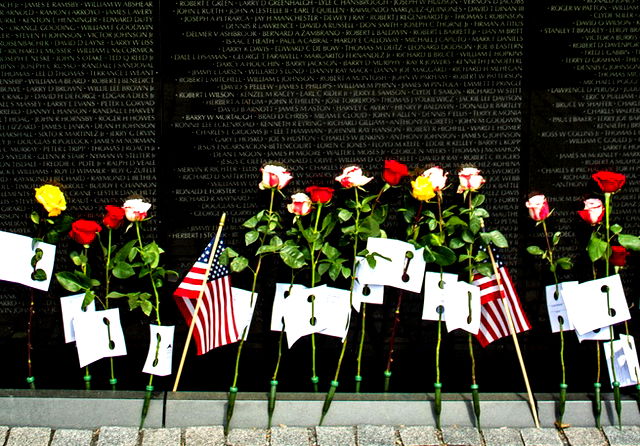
556,307
599,334
437,289
297,314
625,360
587,306
160,354
279,302
333,311
366,293
457,308
15,260
70,306
243,308
392,272
95,339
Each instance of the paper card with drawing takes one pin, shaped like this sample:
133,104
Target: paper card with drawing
160,355
98,335
70,306
625,361
366,293
333,311
243,308
463,308
404,268
587,306
556,308
15,260
279,301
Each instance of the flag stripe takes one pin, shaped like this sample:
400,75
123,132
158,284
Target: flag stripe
215,324
493,316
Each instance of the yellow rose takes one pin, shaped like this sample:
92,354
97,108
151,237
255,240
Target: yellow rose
52,198
422,189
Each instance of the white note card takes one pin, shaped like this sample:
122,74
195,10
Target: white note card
160,356
625,361
556,308
98,335
15,260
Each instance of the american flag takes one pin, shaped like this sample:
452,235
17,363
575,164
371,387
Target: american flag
215,322
494,323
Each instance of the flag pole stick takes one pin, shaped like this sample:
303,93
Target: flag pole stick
197,308
512,329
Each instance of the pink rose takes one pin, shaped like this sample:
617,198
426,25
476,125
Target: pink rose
437,176
593,211
136,209
470,179
274,177
352,177
538,207
300,204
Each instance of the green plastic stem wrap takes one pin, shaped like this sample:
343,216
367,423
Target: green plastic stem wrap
562,403
328,399
597,403
618,403
231,402
272,399
438,402
475,394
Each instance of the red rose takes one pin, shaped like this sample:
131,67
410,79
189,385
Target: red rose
394,172
538,207
320,194
609,181
114,217
618,256
593,211
84,231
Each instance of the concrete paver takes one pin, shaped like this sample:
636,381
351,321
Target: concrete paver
161,437
419,436
502,436
118,436
29,436
247,437
291,436
369,435
204,436
72,437
461,436
335,436
540,437
627,436
584,436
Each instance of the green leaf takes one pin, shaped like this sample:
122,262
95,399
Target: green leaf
467,236
456,243
35,217
323,268
69,281
89,297
123,253
475,225
251,237
616,228
597,247
276,242
334,271
330,252
344,215
454,221
480,213
265,249
485,269
498,239
150,254
123,270
39,275
116,295
535,250
477,200
252,222
310,236
346,272
630,242
556,238
239,263
428,255
564,263
292,257
146,307
443,256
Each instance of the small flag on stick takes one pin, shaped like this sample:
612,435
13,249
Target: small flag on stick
494,322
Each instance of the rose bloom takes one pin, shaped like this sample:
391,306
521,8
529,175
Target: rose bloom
84,231
609,181
135,209
320,194
300,204
618,256
470,179
593,211
422,189
437,176
52,198
394,172
352,177
114,217
274,177
538,207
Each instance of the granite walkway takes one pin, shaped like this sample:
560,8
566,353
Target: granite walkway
362,435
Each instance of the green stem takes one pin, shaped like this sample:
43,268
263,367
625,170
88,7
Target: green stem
438,347
153,283
87,378
470,267
363,320
314,376
107,271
